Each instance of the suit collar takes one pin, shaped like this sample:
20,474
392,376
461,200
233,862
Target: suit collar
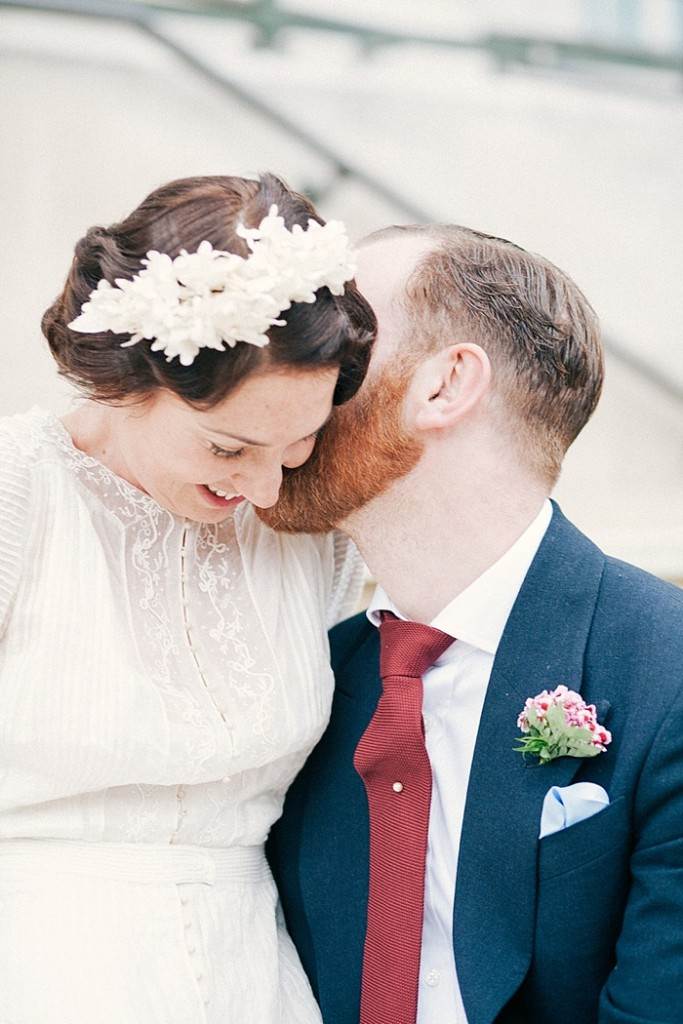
543,645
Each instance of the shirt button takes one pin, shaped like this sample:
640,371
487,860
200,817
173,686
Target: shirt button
397,787
432,979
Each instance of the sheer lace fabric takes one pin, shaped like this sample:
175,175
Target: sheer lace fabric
162,682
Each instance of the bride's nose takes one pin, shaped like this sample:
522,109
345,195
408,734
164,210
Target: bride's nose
263,488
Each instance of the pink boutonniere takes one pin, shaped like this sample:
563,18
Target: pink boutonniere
558,723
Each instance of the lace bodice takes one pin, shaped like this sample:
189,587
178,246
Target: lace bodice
161,680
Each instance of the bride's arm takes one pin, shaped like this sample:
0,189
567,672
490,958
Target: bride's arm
14,504
347,580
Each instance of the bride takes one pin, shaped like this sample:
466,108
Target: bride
163,655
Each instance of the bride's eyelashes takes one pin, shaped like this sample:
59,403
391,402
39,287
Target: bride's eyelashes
233,453
225,453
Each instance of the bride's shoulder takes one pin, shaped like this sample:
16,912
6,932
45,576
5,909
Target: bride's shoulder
24,437
328,563
253,531
26,441
333,547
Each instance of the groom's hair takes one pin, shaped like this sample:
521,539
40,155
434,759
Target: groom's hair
540,332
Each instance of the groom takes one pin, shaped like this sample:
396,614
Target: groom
413,876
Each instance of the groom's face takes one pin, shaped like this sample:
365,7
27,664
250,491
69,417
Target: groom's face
367,445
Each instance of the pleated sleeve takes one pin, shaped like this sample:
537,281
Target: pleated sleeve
15,489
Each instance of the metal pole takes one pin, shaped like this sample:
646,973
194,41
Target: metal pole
135,15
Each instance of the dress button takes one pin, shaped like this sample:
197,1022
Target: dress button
432,979
397,787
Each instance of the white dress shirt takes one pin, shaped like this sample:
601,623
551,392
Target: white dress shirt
454,692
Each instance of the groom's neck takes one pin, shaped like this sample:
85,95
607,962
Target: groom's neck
430,536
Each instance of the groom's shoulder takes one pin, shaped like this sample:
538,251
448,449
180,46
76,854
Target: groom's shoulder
639,595
627,594
639,621
347,637
636,619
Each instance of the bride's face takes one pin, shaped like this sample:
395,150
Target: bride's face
181,456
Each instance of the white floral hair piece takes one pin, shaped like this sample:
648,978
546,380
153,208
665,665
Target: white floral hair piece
214,299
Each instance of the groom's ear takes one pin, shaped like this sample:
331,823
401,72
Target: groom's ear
449,385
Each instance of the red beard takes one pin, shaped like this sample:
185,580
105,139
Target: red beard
363,449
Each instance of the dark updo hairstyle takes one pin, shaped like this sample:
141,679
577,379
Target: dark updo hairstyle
333,331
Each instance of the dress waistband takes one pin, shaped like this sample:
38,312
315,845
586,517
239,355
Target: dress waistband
132,862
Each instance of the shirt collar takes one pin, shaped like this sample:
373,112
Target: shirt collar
478,615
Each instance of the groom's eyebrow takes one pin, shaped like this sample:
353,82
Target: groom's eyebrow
263,444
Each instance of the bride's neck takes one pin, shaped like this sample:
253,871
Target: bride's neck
98,430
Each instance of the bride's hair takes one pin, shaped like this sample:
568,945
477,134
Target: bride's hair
333,331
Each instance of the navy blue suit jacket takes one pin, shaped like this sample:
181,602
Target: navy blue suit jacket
583,926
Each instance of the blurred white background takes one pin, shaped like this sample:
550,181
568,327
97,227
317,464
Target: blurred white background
558,125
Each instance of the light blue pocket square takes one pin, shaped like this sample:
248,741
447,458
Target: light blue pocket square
568,805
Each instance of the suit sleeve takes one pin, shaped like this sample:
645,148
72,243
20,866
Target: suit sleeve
646,985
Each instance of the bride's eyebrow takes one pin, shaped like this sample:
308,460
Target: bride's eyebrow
263,444
236,437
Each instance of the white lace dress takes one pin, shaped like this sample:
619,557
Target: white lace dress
161,683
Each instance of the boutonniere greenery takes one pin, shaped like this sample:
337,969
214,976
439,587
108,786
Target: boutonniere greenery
558,723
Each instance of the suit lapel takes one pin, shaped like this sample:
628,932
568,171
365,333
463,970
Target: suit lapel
335,842
543,645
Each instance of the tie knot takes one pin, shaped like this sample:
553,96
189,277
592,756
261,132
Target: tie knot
409,648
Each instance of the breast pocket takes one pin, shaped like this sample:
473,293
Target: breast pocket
580,845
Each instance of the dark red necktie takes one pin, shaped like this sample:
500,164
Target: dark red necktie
392,761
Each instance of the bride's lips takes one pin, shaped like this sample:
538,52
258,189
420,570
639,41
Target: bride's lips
216,501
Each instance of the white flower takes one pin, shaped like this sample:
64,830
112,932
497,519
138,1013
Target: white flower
214,299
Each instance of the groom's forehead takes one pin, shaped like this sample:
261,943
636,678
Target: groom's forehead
385,265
